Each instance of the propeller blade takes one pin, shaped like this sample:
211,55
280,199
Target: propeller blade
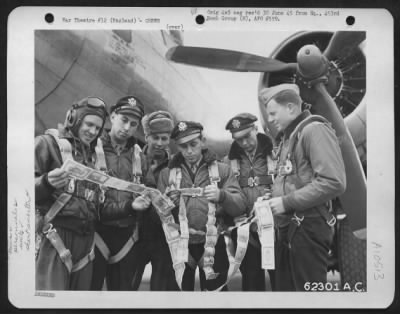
229,60
354,199
342,43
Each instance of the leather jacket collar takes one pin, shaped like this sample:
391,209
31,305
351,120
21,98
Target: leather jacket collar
264,148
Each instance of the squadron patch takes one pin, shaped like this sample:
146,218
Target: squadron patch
132,102
182,126
236,124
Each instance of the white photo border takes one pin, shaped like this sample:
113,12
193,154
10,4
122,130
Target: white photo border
378,24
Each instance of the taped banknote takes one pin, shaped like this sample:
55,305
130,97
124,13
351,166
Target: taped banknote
76,170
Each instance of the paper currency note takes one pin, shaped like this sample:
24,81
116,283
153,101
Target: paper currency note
171,231
183,251
97,177
211,230
193,192
211,240
162,203
211,220
184,229
208,261
268,257
76,169
209,272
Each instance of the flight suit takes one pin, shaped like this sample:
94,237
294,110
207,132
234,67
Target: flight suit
75,222
253,276
117,222
231,201
152,246
304,231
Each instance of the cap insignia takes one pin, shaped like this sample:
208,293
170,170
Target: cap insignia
182,126
132,102
236,124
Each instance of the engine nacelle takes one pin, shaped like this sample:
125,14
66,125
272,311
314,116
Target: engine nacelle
346,80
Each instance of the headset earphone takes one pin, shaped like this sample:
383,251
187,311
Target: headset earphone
70,119
72,115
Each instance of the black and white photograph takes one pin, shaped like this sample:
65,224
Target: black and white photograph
242,132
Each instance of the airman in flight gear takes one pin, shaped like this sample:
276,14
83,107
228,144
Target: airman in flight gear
204,191
69,206
157,127
117,227
310,173
251,161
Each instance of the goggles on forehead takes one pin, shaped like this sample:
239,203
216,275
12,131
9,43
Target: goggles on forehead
92,102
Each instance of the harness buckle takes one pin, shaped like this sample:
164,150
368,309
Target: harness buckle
137,179
297,219
332,221
215,179
89,195
71,186
49,229
253,181
102,195
271,172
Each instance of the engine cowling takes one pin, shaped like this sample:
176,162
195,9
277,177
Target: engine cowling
346,80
